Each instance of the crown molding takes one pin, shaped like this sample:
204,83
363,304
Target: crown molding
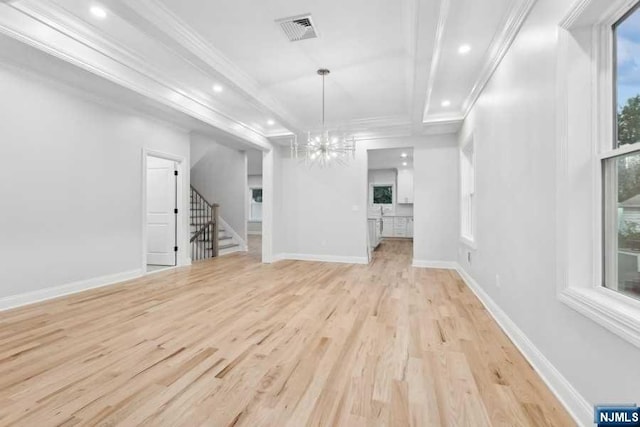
389,127
377,122
52,30
411,32
169,23
587,13
437,52
576,10
443,125
498,49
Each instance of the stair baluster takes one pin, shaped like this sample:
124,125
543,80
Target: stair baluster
204,221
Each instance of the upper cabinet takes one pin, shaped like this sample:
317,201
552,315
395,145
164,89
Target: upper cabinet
405,186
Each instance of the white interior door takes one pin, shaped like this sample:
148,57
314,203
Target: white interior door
161,216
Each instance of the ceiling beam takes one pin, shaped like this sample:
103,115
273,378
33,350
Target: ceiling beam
158,22
49,29
427,16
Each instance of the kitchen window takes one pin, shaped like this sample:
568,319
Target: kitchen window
255,204
382,194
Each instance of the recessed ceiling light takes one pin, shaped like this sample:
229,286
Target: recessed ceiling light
446,103
404,163
271,122
217,88
98,12
403,155
464,49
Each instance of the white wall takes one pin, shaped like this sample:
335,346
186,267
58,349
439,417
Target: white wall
273,206
71,184
324,211
254,181
254,162
221,177
436,208
513,124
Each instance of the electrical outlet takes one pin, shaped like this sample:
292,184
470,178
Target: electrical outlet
497,280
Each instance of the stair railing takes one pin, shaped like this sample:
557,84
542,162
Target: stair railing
204,218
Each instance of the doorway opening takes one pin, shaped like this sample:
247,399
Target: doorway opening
254,202
390,201
161,213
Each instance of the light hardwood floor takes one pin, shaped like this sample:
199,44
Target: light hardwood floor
231,342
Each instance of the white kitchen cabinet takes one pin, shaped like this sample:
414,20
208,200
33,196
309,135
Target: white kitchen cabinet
375,226
400,226
388,227
404,192
397,226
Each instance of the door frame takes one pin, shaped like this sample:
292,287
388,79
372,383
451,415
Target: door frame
182,256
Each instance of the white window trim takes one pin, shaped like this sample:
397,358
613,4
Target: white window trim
579,289
468,239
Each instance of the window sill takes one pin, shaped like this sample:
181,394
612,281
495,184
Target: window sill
617,313
470,243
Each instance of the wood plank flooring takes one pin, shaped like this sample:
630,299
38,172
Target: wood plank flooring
231,342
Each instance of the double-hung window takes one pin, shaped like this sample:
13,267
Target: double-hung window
468,193
621,164
598,164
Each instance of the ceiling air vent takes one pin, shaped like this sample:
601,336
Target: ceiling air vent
298,27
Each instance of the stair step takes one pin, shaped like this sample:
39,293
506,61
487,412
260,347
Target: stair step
220,239
200,225
223,247
228,246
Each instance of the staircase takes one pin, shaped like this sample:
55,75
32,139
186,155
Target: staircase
208,237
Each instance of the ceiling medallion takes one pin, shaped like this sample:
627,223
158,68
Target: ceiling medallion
324,149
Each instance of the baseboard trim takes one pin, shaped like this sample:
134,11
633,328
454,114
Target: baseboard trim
230,251
322,258
573,401
442,265
28,298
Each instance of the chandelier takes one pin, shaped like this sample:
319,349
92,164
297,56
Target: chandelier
323,148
